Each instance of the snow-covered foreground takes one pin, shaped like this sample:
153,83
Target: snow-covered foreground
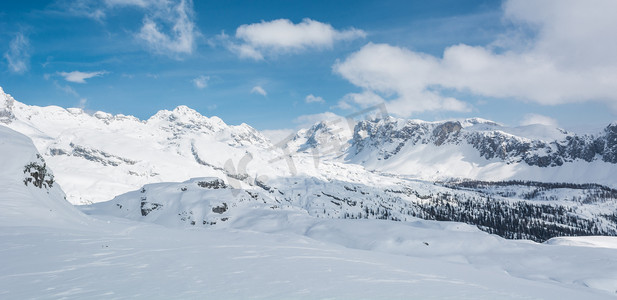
116,258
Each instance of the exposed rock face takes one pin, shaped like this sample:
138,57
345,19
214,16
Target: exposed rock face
212,183
93,155
388,136
608,144
443,131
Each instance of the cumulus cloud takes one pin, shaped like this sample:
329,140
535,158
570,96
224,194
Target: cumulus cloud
531,119
313,99
283,36
568,58
402,76
201,81
259,90
18,55
245,51
80,77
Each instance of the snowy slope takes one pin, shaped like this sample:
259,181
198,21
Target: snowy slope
263,250
23,200
115,258
585,241
207,204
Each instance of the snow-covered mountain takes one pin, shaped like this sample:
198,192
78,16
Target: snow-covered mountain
98,156
376,169
467,149
534,145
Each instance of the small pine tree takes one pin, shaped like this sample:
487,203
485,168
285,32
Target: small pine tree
38,174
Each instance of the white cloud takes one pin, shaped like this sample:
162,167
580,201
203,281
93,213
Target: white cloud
167,27
305,121
82,103
201,81
259,90
245,51
569,58
84,8
67,89
312,99
531,119
402,76
80,77
140,3
18,55
170,29
364,99
282,36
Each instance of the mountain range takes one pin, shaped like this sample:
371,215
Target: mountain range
532,182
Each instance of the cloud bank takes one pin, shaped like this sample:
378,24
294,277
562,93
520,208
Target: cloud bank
569,57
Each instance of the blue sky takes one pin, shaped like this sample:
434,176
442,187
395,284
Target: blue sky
278,64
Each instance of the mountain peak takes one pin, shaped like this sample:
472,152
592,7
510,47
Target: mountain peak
185,110
6,107
476,121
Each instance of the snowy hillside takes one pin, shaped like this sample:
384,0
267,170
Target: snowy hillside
270,254
30,195
520,210
207,205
